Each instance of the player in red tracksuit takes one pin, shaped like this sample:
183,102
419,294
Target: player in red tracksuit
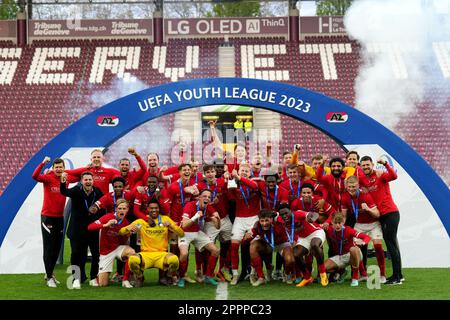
248,205
377,184
165,175
310,238
334,182
363,208
109,200
195,215
132,177
267,236
112,245
271,194
52,214
294,183
341,239
310,202
148,193
220,201
102,176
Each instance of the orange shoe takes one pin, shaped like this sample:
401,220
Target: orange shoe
305,282
324,279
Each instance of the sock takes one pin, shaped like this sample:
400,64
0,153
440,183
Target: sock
380,258
355,273
322,268
235,255
126,272
362,270
212,261
183,268
257,264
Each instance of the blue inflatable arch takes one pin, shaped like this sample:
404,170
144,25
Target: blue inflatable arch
352,128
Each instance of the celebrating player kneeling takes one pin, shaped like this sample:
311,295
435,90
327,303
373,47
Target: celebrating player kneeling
340,238
269,235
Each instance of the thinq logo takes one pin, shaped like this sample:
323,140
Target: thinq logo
337,117
107,121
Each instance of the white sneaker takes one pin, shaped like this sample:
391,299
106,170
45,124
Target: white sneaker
56,281
253,278
276,275
76,284
234,280
383,279
51,283
190,280
289,279
364,278
259,282
199,276
93,283
126,284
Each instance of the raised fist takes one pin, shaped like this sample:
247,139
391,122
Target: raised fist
46,160
132,151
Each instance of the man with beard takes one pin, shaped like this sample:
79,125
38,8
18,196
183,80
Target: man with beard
195,215
266,237
377,184
102,176
149,193
334,184
83,197
132,177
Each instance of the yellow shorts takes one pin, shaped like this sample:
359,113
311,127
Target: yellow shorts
154,259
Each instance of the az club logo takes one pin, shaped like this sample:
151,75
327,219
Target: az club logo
337,117
107,121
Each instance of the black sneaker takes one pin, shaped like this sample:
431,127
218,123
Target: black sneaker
393,281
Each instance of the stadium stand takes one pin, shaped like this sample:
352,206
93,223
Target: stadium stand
46,86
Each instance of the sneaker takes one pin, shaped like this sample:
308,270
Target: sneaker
323,279
234,280
268,276
76,284
354,283
226,275
220,276
115,278
181,283
189,279
305,282
51,283
297,280
199,276
210,280
126,284
289,279
383,280
393,281
93,283
253,278
276,275
402,278
259,282
54,279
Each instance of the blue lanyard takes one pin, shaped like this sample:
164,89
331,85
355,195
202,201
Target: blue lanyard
341,241
86,203
274,198
182,192
272,238
202,219
355,207
119,222
243,194
196,178
215,190
114,199
298,188
159,221
291,237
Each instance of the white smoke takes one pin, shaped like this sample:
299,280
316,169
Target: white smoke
144,138
399,66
